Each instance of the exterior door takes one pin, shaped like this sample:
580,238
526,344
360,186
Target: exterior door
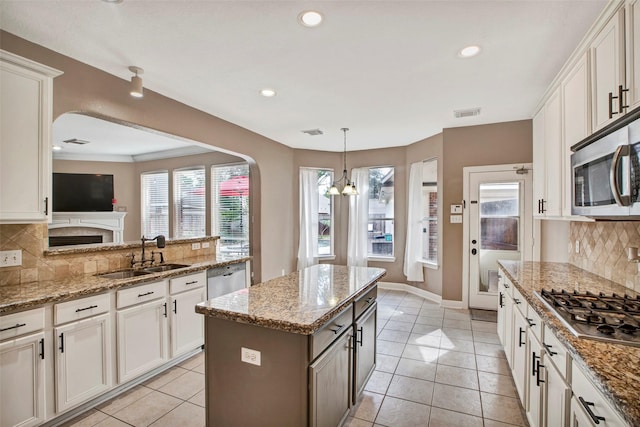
498,227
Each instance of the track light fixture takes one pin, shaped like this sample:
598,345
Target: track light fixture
136,82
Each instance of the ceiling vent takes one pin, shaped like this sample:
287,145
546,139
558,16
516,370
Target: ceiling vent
76,141
470,112
313,132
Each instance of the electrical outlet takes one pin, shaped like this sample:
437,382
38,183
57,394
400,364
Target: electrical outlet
10,258
577,246
195,246
250,356
205,245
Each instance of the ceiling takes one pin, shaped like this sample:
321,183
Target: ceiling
388,70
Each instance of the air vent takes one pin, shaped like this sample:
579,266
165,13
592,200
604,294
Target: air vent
313,132
76,141
470,112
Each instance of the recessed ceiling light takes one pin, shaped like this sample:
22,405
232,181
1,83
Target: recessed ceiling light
310,18
268,93
469,51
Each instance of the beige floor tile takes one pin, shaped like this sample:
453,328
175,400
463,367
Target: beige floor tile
88,419
413,389
378,382
424,354
497,384
399,326
389,348
402,413
165,377
460,377
431,321
367,406
494,365
199,399
400,316
185,386
111,422
458,334
486,337
145,411
433,314
457,345
415,302
493,423
480,326
443,418
386,363
356,422
423,329
493,350
416,369
125,399
427,340
458,324
501,408
457,399
458,314
408,309
199,369
457,358
193,361
395,336
185,415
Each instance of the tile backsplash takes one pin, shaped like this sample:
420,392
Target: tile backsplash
602,249
40,264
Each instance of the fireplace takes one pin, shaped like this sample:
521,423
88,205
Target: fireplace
81,228
74,240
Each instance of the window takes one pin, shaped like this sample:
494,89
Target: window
189,200
325,213
380,227
155,203
429,220
499,216
230,207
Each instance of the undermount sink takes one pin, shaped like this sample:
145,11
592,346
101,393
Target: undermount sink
164,267
123,274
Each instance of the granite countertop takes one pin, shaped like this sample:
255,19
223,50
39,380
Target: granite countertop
30,295
300,302
614,368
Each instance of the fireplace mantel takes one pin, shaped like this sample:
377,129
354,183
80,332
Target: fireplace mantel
109,221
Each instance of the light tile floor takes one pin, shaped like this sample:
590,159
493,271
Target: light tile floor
436,367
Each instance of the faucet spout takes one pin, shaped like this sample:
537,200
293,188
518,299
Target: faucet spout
160,243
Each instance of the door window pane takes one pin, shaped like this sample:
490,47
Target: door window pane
499,216
189,202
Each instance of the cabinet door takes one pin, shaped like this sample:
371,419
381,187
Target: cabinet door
364,349
83,360
607,71
539,186
25,164
519,365
142,339
576,122
22,391
535,373
508,322
557,396
633,53
187,326
330,384
553,146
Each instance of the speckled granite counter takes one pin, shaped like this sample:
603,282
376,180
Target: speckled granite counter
614,368
300,302
30,295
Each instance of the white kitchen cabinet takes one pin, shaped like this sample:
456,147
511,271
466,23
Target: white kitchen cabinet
520,355
608,72
22,383
83,360
557,396
535,395
187,326
364,348
505,317
632,24
25,139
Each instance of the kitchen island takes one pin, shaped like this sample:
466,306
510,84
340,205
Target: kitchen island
292,351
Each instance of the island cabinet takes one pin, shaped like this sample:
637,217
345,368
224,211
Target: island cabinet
293,351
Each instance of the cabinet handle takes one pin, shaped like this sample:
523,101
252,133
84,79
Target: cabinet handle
175,306
145,294
361,336
42,348
369,300
501,297
534,369
61,348
538,380
46,206
16,326
517,301
531,322
621,92
542,202
227,274
520,343
191,283
539,206
549,347
165,309
596,418
611,98
86,308
335,331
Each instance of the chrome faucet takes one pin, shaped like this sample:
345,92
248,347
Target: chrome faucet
160,243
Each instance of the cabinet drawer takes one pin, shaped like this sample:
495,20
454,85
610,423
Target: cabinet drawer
323,337
365,301
506,284
143,293
591,401
186,283
518,301
80,308
13,325
535,323
557,353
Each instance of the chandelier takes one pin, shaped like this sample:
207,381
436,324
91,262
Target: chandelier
349,188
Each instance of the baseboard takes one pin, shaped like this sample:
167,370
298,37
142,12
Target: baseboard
447,303
412,290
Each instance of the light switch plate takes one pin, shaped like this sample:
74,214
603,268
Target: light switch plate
456,209
195,246
10,258
456,219
250,356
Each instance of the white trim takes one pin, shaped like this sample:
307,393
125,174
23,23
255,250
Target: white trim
430,264
381,259
447,303
411,289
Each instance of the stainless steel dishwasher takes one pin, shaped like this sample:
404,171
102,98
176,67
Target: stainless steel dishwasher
223,280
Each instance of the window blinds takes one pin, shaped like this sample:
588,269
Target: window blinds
155,203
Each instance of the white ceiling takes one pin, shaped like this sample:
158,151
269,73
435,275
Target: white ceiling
388,70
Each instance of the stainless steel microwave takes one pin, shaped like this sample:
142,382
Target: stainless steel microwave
606,172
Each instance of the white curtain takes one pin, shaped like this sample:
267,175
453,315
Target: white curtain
358,219
412,255
308,244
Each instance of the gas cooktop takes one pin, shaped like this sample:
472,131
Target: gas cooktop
612,318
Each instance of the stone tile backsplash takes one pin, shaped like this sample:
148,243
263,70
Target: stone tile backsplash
602,249
32,239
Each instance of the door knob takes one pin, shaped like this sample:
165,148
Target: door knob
474,251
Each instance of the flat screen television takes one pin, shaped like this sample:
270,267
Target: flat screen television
82,192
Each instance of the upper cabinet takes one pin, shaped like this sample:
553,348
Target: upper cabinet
632,23
25,139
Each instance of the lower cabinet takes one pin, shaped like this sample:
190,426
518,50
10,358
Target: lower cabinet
536,385
364,349
557,395
83,360
22,386
520,352
330,384
187,326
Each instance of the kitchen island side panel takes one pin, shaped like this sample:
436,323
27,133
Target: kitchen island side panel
241,394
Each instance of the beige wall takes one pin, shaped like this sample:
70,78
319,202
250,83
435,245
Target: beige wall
493,144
